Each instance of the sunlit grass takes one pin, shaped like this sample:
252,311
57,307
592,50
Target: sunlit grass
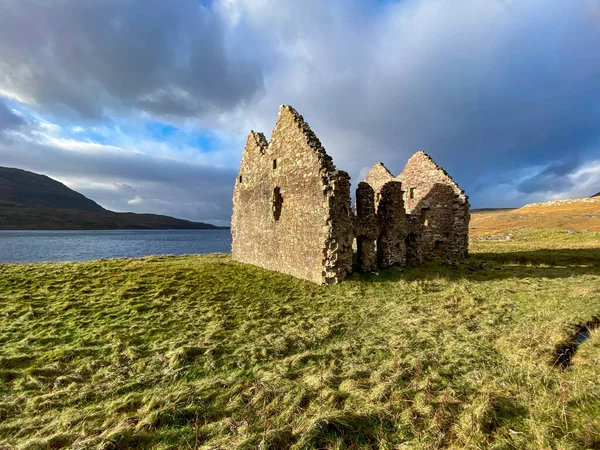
203,352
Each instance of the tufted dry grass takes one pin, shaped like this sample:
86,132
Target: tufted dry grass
203,352
575,215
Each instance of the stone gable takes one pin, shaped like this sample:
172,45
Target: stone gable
439,204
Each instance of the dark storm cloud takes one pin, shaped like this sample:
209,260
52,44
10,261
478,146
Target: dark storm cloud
87,56
501,92
485,87
553,178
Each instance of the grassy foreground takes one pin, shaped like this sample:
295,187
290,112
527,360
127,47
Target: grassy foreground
203,352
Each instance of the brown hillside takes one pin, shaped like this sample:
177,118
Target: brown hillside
577,214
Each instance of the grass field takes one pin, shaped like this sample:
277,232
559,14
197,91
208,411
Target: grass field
203,352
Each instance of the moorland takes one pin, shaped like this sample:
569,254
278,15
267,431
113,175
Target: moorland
499,351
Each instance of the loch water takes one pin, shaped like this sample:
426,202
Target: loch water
51,246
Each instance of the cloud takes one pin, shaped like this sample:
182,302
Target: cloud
9,120
90,57
503,94
558,180
136,201
553,178
585,180
114,176
484,87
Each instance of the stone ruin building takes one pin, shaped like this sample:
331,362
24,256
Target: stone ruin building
292,209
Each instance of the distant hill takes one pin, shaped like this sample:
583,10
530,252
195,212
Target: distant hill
480,210
575,214
596,195
21,188
30,201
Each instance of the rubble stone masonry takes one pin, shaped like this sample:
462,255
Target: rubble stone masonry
442,208
292,209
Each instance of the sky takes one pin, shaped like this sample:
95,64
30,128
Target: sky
145,105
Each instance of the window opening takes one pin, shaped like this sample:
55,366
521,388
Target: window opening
277,203
425,216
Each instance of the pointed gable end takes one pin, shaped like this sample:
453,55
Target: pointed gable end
422,169
422,162
292,128
378,176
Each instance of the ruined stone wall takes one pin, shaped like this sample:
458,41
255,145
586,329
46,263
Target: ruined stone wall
436,201
413,241
291,207
393,227
366,228
339,230
292,210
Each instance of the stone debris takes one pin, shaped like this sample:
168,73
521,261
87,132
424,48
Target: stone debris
572,201
506,236
292,210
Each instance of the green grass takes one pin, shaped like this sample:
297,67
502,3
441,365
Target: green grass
204,352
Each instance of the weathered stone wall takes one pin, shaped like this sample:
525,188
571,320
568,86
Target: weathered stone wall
339,230
413,244
288,202
434,199
393,227
292,211
366,228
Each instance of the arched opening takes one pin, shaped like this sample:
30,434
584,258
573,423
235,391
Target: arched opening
277,203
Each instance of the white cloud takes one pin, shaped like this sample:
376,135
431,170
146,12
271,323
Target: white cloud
579,182
585,181
136,201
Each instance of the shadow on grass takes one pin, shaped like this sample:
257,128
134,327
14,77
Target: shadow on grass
561,263
554,257
344,430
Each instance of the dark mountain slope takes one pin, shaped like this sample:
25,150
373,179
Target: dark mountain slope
29,201
22,188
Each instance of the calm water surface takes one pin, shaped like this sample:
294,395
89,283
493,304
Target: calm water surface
38,246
